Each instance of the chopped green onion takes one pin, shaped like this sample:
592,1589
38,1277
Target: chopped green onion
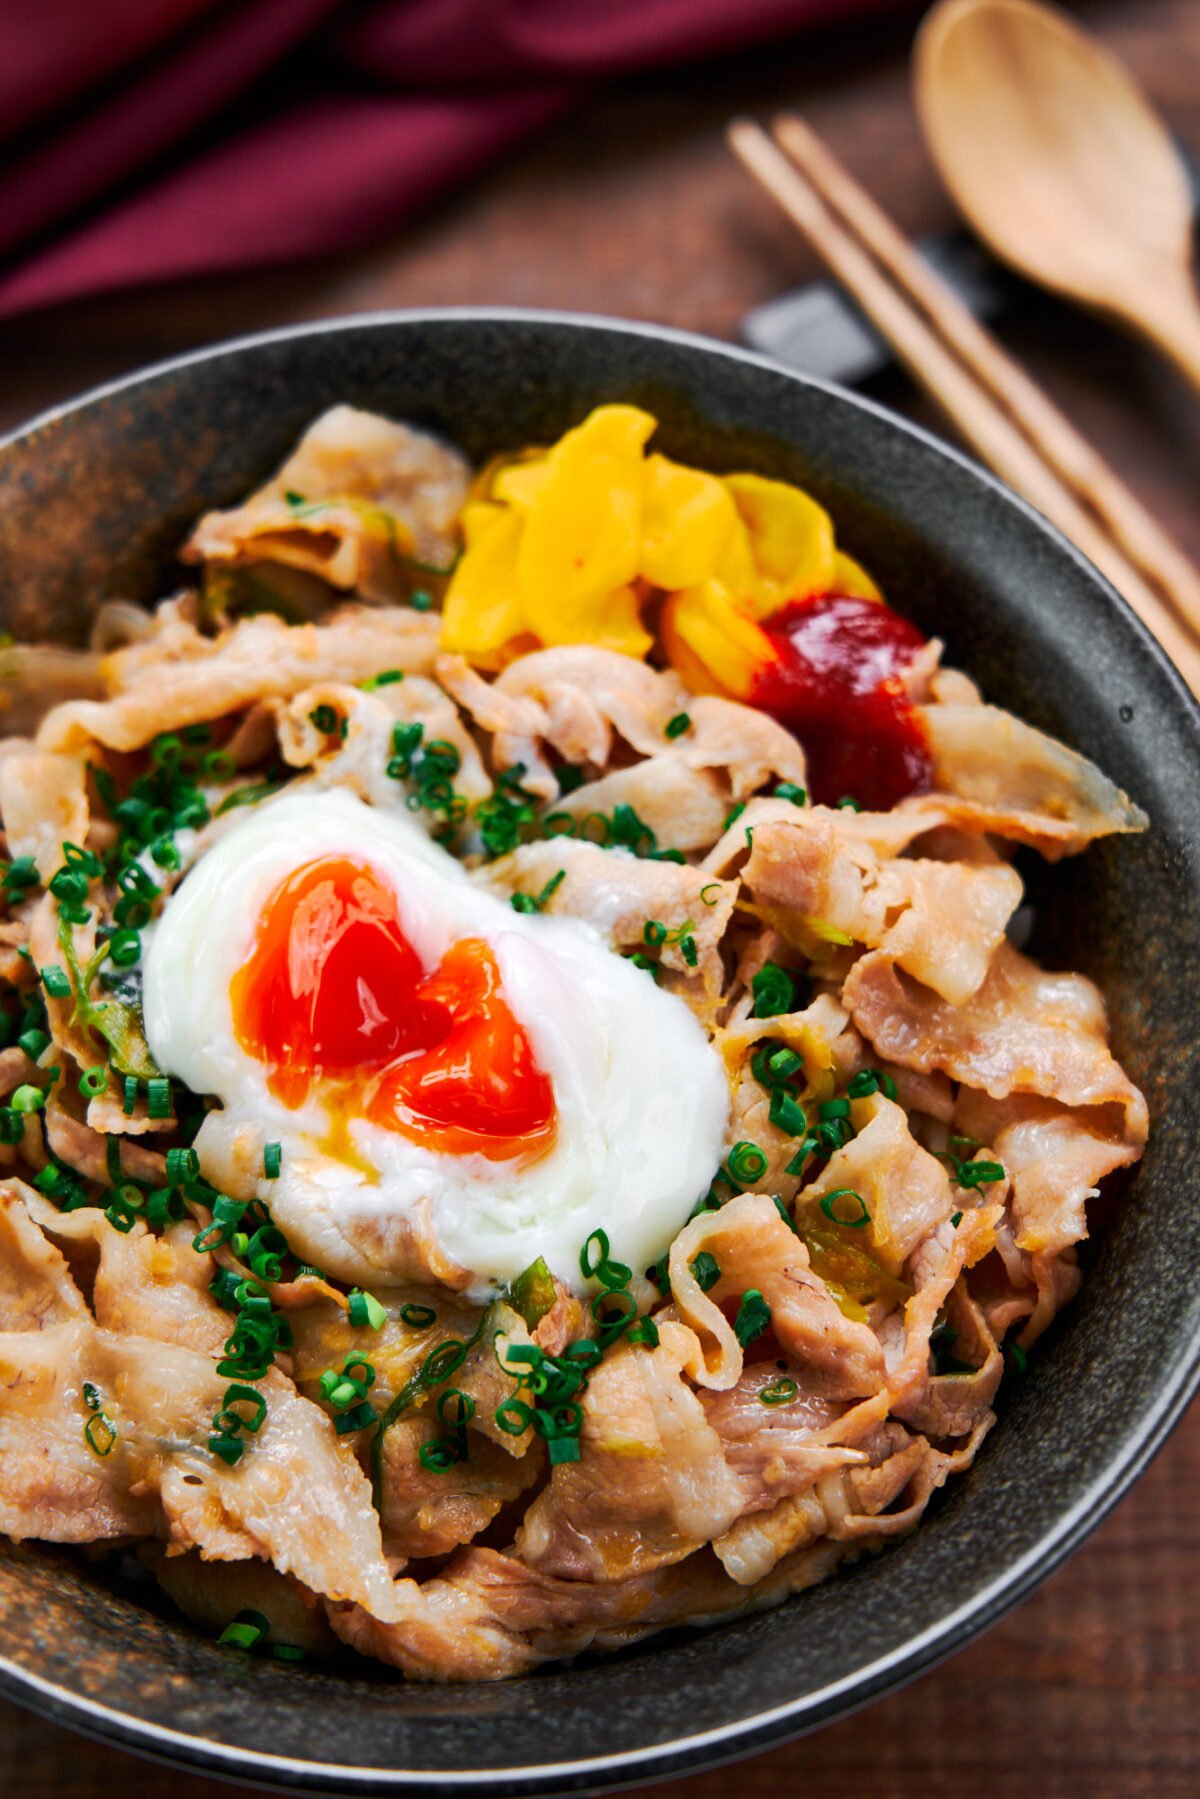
645,1332
1020,1359
675,727
780,1392
611,1274
833,1108
747,1163
529,902
94,1081
125,946
832,1211
732,816
247,1631
228,1449
417,1317
979,1174
33,1042
787,1114
654,932
287,1652
421,600
753,1317
27,1099
705,1270
788,790
57,982
849,804
365,1310
21,873
12,1125
774,991
99,1434
955,1220
387,678
182,1165
647,963
713,887
514,1417
272,1160
871,1080
158,1097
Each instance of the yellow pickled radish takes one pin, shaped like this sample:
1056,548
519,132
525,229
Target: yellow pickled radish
688,518
791,540
582,535
728,644
519,483
483,608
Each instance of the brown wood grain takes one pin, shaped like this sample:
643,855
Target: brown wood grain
634,207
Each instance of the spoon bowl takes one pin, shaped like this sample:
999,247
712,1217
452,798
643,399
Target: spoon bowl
1060,163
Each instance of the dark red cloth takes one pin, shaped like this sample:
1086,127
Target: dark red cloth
145,140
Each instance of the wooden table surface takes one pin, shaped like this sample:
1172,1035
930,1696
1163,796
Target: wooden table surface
635,208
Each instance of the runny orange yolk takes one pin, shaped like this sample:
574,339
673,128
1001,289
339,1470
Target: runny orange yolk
333,994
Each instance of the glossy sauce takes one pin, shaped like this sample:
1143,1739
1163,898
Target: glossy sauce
836,685
334,994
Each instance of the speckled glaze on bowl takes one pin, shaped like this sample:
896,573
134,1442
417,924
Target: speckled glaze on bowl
93,500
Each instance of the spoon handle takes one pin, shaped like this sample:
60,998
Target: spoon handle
1171,320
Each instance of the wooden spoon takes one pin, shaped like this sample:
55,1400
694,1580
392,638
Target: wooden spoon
1060,163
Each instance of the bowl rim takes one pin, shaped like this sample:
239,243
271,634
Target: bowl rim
888,1672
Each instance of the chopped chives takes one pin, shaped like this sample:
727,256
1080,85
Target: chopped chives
849,804
746,1163
247,1631
27,1099
182,1165
705,1270
417,1317
713,887
94,1081
787,1113
387,678
774,991
421,600
733,815
788,790
57,982
33,1042
99,1434
272,1160
125,946
675,727
365,1310
871,1080
780,1391
838,1215
753,1317
978,1174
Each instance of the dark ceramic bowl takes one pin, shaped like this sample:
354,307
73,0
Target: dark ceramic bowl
93,501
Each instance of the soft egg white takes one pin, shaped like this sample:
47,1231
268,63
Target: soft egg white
641,1096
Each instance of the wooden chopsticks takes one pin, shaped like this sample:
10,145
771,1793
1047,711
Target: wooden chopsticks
999,410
